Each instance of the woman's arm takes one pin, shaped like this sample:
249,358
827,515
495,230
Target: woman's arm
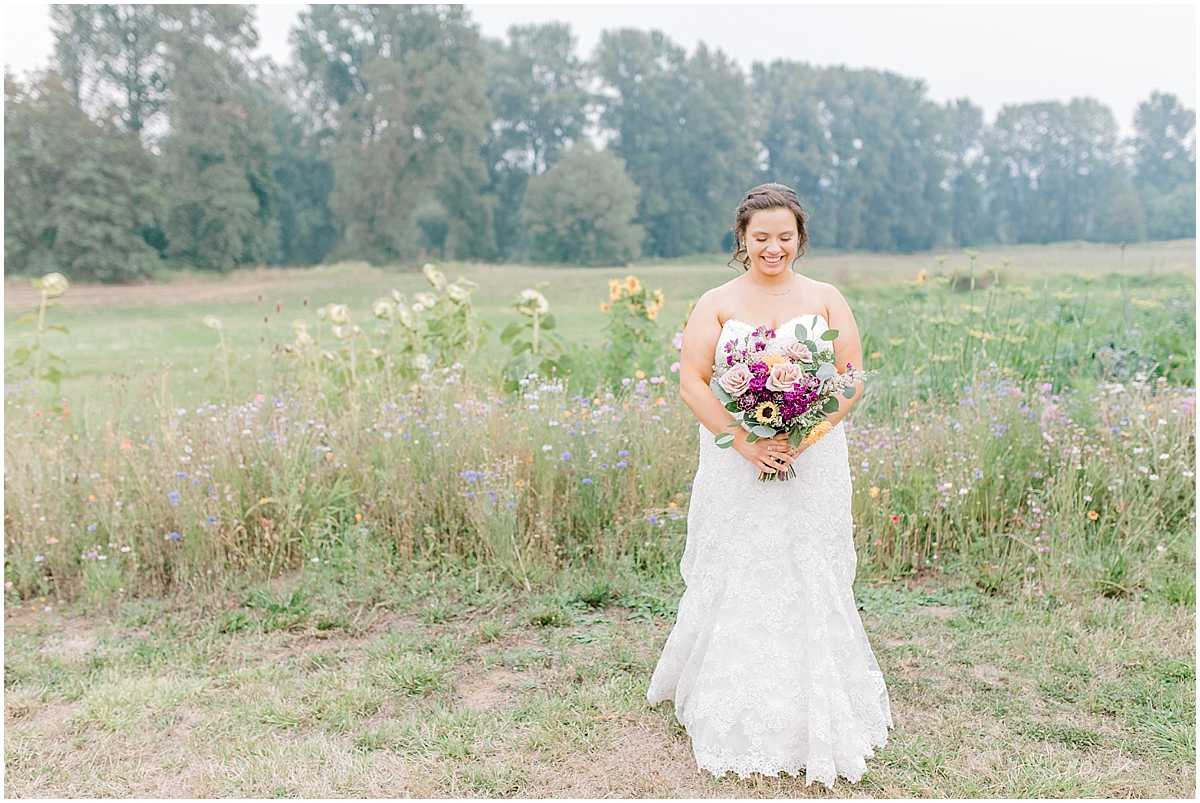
847,348
695,370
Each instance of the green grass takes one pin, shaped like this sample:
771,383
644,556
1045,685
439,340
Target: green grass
1018,696
352,612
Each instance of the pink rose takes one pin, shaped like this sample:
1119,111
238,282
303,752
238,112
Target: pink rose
798,351
784,375
736,380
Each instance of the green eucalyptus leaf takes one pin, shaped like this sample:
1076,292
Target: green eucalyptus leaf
848,393
763,431
795,437
829,334
721,394
725,440
826,370
751,437
831,405
801,332
732,407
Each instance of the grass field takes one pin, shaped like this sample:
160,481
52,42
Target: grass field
291,589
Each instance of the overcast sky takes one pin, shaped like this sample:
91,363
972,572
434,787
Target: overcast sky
992,54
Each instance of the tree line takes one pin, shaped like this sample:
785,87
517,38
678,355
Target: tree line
400,133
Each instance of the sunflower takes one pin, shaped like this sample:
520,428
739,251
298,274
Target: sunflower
766,412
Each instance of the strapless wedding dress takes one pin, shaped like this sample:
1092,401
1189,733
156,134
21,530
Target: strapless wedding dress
768,664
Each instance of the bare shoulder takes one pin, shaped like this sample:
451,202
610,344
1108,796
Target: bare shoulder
714,301
826,295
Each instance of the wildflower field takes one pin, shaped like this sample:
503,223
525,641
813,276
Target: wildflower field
427,529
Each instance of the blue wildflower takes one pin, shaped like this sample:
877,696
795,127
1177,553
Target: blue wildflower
173,498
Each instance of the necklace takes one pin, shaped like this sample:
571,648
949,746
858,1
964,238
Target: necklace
784,293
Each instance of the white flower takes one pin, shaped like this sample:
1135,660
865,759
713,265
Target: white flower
212,322
427,300
405,315
384,308
339,313
342,332
398,297
421,362
52,285
531,301
458,293
433,275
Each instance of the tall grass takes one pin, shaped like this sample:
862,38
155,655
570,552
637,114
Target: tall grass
1030,438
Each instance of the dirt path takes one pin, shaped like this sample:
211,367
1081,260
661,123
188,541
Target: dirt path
241,286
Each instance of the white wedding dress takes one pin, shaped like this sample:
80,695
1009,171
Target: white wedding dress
768,664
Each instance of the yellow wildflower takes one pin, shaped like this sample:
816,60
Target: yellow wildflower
818,432
1093,515
632,285
640,374
605,306
614,289
873,491
774,359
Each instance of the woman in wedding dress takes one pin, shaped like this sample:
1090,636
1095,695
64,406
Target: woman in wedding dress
768,664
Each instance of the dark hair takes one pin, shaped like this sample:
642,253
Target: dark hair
759,199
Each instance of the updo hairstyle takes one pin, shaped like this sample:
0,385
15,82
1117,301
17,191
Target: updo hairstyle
759,199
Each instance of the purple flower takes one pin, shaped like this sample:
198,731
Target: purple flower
587,480
173,498
173,536
747,402
623,453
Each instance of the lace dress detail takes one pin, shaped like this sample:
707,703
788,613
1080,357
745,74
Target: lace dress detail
768,664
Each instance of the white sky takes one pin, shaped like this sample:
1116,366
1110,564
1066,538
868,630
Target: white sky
992,54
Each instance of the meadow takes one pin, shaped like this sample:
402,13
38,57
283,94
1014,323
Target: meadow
423,571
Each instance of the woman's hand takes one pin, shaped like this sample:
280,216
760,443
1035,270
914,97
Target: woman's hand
768,455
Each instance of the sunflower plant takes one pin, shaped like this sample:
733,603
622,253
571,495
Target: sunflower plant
634,340
535,348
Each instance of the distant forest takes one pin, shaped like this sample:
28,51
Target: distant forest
400,133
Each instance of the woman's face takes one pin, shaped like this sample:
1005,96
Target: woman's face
771,238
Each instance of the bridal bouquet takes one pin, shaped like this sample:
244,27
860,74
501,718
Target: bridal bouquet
772,388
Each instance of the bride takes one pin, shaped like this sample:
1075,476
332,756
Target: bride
768,664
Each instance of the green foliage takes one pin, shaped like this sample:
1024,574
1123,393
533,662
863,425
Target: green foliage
78,193
217,157
538,92
405,85
1049,166
580,211
540,354
683,127
634,342
858,148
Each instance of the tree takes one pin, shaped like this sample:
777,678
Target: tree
217,157
304,230
113,54
581,210
685,130
1165,163
1164,143
1049,166
538,94
77,192
866,148
403,91
968,220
